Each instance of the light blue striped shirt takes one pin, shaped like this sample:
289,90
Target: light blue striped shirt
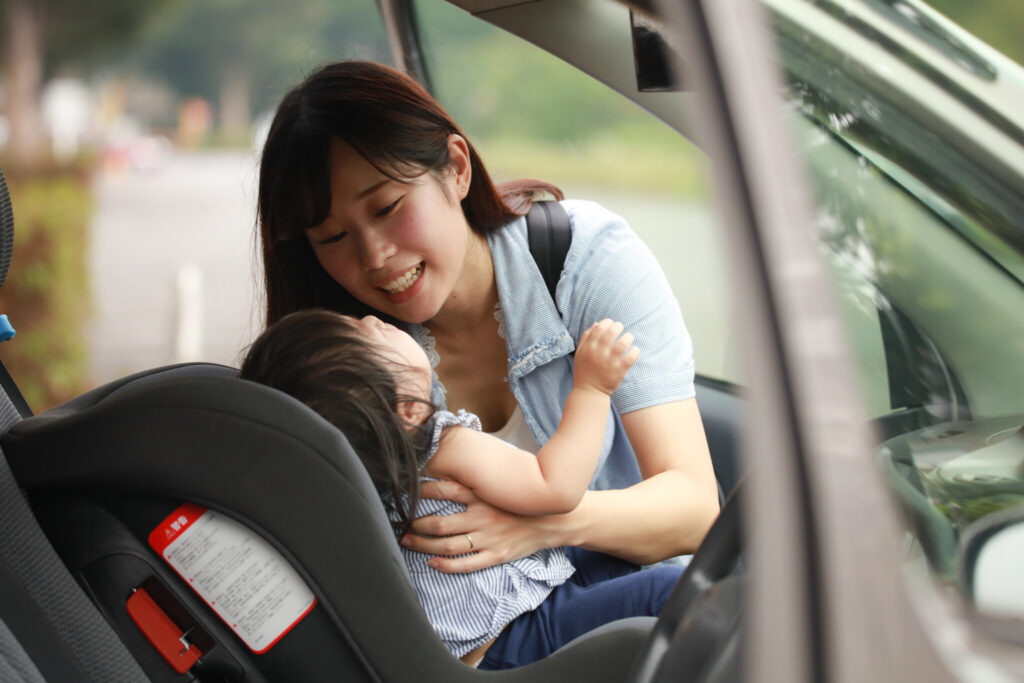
467,610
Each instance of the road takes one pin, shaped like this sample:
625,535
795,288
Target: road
197,212
194,211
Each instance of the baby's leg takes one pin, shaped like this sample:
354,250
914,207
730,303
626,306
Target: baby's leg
572,610
593,567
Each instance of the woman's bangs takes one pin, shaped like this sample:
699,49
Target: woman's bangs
304,193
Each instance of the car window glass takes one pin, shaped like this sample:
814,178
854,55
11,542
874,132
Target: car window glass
532,115
922,234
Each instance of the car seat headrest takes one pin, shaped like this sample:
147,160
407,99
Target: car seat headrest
196,432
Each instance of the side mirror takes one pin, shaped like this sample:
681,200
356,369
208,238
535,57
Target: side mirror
992,564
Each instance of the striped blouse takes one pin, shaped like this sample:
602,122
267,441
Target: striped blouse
467,610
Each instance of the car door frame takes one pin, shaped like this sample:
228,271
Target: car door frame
828,599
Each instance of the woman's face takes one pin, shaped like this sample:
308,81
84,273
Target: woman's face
397,247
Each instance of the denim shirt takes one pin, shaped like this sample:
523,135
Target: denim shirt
608,273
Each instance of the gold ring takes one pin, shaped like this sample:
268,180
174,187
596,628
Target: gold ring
470,539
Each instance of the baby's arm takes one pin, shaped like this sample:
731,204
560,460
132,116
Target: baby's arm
555,480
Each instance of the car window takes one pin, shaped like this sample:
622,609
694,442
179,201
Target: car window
532,115
922,233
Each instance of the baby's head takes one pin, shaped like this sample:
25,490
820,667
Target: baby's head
369,379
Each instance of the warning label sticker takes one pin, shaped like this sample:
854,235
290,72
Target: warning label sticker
240,576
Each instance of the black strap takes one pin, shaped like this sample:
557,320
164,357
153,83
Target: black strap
549,235
11,389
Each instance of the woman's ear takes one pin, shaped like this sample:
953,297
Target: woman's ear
413,412
458,154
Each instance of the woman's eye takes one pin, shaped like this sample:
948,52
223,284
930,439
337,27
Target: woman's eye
389,208
336,237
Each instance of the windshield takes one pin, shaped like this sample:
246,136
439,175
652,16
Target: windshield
915,167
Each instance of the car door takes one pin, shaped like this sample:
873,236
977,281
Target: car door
831,596
830,593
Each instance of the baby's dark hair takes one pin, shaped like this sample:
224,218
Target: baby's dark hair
323,360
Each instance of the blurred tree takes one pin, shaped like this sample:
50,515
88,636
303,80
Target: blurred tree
40,37
242,54
997,22
23,76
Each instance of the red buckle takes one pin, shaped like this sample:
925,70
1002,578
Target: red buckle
161,632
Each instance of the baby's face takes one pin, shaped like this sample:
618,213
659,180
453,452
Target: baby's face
404,350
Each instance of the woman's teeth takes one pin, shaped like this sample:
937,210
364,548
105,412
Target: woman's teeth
403,283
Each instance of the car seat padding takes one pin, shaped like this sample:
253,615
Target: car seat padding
272,463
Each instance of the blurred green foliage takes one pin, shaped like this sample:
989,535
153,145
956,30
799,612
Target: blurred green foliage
997,22
46,295
195,45
74,38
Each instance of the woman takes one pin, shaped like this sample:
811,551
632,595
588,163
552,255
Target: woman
372,200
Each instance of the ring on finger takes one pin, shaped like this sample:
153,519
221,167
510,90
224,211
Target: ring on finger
470,539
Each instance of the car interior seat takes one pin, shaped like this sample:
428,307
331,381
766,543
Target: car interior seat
104,469
48,628
107,469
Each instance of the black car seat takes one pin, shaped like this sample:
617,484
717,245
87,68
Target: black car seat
106,469
48,628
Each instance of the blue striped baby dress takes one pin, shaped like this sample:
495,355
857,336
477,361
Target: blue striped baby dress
468,610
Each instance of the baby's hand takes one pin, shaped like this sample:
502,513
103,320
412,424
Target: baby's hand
603,357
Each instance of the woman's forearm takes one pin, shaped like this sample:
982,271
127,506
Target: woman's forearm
665,515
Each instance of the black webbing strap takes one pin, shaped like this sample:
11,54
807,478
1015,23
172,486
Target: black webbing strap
13,393
549,235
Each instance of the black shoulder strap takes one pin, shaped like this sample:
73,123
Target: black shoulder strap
549,236
9,387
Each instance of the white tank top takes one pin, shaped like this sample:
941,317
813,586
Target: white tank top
517,432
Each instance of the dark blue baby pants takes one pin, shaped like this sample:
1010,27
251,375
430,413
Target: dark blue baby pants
602,589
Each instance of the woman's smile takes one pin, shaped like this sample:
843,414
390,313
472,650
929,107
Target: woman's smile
404,282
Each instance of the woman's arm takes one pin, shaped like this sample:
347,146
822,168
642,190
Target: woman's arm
666,514
671,510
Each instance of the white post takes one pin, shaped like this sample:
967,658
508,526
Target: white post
188,342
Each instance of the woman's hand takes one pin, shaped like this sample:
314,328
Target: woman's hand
497,536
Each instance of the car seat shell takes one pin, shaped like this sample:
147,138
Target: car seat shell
196,433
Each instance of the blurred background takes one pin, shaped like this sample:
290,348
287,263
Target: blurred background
130,134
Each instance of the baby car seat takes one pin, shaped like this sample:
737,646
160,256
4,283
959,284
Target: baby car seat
106,469
48,628
110,473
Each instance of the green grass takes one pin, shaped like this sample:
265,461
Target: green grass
46,295
645,166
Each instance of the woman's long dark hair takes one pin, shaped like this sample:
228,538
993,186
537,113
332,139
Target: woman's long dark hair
394,124
320,358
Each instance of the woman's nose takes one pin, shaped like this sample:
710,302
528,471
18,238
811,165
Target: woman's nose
376,249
